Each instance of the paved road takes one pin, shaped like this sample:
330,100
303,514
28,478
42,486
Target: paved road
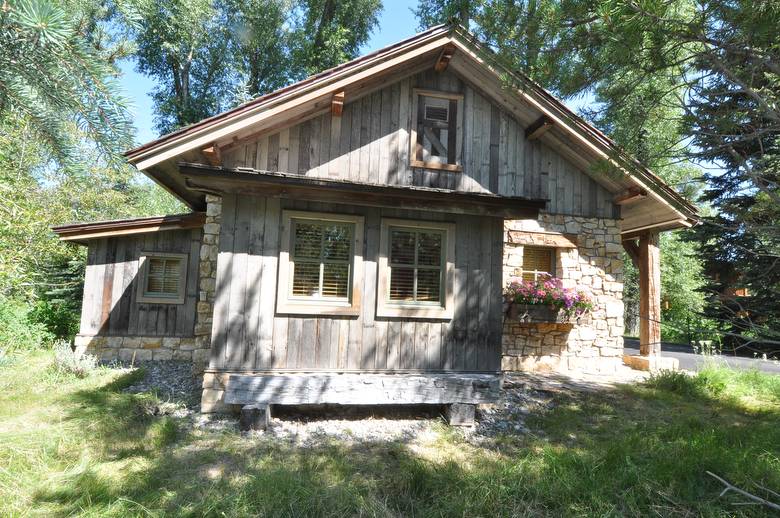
690,361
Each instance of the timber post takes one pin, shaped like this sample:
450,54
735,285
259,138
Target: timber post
649,295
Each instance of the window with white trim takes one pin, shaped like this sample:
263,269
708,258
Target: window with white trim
437,132
163,278
416,266
320,263
538,261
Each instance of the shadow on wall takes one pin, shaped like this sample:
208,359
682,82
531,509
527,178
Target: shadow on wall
111,296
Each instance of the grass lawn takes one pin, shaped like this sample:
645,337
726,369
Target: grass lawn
73,446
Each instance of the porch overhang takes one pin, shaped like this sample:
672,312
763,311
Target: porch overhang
82,232
217,180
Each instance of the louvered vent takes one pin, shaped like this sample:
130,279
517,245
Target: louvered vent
437,113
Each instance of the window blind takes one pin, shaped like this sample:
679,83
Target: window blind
537,260
321,255
416,265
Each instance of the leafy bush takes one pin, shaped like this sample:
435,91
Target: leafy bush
18,328
61,320
69,363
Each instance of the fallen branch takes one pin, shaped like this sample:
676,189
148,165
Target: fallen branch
731,487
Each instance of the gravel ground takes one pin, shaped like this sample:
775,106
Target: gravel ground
173,381
524,394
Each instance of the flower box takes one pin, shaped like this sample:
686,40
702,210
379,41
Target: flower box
541,313
546,300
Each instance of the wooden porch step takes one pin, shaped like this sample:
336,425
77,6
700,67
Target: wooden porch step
362,389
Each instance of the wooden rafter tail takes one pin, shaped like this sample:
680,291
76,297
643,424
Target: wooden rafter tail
444,58
212,154
541,126
337,104
630,195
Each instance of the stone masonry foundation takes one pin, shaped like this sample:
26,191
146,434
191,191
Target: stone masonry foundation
596,265
142,348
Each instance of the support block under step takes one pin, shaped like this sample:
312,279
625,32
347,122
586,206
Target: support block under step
652,363
460,414
254,417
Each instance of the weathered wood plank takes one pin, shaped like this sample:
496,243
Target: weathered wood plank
362,389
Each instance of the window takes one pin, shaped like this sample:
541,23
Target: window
163,278
416,265
436,136
537,261
320,263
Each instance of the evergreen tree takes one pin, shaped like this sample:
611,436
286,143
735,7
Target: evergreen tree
53,79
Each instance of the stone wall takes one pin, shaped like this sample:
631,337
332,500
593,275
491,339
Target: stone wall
596,265
141,348
207,278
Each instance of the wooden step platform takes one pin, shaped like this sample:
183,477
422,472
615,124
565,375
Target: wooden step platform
362,389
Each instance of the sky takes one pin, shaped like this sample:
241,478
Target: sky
396,22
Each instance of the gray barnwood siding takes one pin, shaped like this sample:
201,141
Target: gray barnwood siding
370,143
111,285
249,336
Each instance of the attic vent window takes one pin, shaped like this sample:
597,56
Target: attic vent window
437,135
436,113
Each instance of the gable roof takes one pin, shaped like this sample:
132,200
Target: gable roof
472,59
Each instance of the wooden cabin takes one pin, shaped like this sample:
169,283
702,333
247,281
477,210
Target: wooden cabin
351,235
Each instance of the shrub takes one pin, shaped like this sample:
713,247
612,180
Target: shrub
61,320
18,330
69,363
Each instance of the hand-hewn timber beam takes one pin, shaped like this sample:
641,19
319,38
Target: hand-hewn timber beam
542,125
444,58
649,295
249,181
632,249
212,154
337,104
630,195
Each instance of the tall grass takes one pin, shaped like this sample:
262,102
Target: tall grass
74,446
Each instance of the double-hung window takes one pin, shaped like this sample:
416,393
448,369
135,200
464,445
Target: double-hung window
320,263
416,265
162,278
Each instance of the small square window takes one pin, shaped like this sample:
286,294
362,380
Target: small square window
416,269
436,134
320,263
162,278
538,261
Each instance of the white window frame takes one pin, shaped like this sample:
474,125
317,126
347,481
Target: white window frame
414,162
553,262
143,269
387,308
285,302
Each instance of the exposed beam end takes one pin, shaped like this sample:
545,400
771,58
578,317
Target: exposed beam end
541,126
630,195
444,58
212,154
337,104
